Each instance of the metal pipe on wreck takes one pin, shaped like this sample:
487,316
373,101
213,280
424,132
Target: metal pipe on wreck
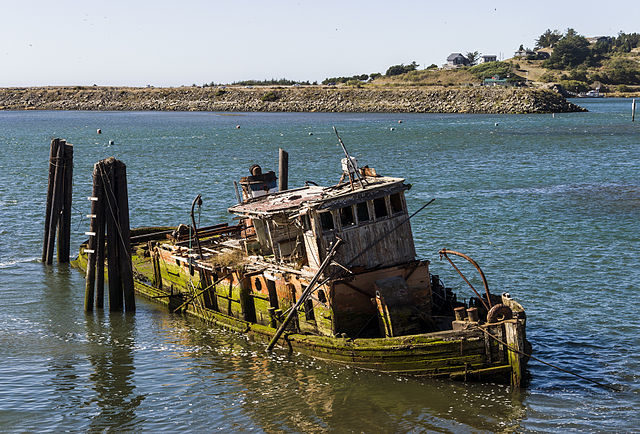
283,170
305,294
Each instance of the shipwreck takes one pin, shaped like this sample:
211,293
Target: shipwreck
332,272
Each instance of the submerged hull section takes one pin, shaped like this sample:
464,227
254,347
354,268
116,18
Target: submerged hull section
471,352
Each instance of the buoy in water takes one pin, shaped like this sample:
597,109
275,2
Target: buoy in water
391,129
237,127
111,142
496,124
400,121
99,131
311,134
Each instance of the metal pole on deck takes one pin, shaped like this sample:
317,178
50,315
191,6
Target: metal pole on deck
307,292
283,170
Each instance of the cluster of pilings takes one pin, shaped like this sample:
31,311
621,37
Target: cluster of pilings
109,239
59,194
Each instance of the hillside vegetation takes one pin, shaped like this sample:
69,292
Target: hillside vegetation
575,64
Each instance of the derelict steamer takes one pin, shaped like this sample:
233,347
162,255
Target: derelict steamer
331,272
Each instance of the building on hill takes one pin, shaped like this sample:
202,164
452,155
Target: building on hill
456,60
531,54
596,39
488,58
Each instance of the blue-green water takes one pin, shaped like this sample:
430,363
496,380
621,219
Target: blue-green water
549,207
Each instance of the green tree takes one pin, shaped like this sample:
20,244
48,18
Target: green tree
625,42
401,69
570,51
472,57
620,70
548,39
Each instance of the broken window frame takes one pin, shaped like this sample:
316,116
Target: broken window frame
347,217
399,204
326,217
380,200
363,206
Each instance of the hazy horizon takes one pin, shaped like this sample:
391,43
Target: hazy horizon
164,43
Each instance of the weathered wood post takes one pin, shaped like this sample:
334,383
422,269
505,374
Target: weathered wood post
115,285
514,339
59,198
53,152
64,224
110,212
92,246
100,239
283,170
124,244
633,110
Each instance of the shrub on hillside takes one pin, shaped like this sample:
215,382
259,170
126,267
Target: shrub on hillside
269,97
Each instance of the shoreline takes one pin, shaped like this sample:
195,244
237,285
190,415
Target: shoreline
334,99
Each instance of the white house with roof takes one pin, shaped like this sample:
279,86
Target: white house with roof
488,58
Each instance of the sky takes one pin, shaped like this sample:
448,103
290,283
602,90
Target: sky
182,42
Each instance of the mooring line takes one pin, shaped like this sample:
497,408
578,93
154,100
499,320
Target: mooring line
606,386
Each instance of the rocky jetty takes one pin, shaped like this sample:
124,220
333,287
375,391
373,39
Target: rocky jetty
290,99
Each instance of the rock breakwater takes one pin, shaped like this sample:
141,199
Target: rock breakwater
290,99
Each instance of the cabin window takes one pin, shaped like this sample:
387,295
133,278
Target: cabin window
380,207
396,203
346,217
326,221
362,209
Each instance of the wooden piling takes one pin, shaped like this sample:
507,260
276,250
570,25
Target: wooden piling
100,238
92,246
633,110
56,202
59,198
53,151
110,215
113,260
124,246
283,170
64,224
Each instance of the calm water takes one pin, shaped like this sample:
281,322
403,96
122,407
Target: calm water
550,208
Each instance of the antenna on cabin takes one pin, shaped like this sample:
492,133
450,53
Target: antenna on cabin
350,162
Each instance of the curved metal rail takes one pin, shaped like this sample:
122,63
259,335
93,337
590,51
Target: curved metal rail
445,252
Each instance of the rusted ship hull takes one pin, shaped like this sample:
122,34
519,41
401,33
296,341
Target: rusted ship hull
473,352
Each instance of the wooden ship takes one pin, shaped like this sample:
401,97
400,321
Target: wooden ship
330,272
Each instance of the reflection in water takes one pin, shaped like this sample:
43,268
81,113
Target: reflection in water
111,355
297,393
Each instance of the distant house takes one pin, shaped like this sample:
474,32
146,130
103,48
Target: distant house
456,60
595,39
524,53
488,58
531,54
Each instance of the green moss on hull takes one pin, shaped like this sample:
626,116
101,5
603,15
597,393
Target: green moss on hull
441,354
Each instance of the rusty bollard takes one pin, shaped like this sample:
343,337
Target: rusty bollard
460,313
473,314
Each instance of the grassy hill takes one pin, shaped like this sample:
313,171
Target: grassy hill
575,64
